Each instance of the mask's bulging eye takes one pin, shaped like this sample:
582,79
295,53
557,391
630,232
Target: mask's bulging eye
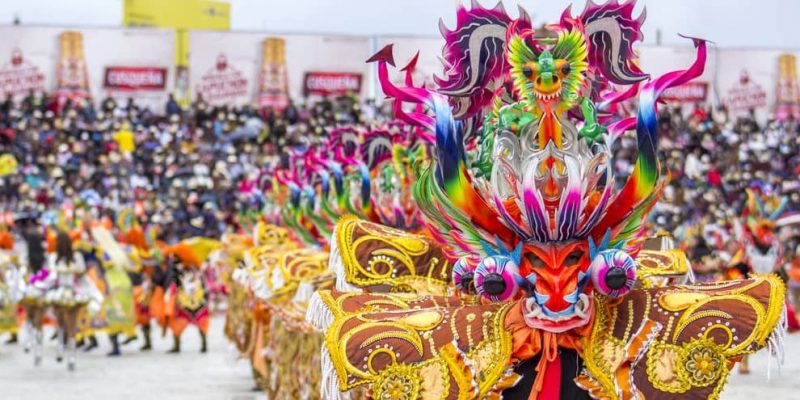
464,275
616,278
497,278
613,273
566,69
527,71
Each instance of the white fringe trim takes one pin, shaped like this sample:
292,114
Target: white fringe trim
776,342
277,279
261,290
303,293
317,314
690,277
330,382
336,265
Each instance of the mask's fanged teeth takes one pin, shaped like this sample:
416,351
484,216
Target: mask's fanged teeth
533,309
583,305
580,311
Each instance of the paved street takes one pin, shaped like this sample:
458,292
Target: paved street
135,376
218,375
784,385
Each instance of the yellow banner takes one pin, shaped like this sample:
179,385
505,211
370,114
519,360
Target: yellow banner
179,14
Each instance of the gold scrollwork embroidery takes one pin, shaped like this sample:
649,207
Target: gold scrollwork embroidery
487,361
391,259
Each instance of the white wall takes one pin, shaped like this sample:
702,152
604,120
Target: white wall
730,23
102,47
430,49
303,53
723,69
155,48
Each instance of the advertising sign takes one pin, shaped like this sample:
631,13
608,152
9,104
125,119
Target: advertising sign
222,83
273,82
690,92
72,78
331,83
135,78
19,76
745,95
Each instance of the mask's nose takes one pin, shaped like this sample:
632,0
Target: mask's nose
547,81
557,304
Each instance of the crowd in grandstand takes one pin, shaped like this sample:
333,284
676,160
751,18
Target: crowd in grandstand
712,158
185,165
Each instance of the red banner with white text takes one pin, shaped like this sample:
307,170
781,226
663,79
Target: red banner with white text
135,78
331,83
690,92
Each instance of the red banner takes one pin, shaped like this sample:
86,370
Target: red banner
690,92
331,83
135,78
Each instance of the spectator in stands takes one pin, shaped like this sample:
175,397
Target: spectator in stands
172,107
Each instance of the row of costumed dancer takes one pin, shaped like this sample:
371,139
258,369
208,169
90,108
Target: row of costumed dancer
481,246
86,273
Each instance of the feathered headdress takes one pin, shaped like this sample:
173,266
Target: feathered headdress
534,205
548,182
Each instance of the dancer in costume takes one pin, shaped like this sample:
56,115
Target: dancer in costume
159,279
249,319
238,318
10,285
141,275
34,282
186,297
543,234
760,252
118,311
793,274
90,319
69,292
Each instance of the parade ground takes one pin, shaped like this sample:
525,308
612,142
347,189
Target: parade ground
219,375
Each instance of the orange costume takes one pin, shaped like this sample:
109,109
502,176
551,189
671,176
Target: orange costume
186,296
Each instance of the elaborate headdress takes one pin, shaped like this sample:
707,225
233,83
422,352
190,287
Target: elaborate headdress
761,215
549,206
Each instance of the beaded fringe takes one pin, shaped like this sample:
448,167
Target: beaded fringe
317,314
330,383
336,265
775,343
303,294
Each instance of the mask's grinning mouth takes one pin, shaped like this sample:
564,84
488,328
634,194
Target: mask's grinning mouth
535,317
551,96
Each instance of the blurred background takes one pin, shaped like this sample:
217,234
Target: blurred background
186,39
